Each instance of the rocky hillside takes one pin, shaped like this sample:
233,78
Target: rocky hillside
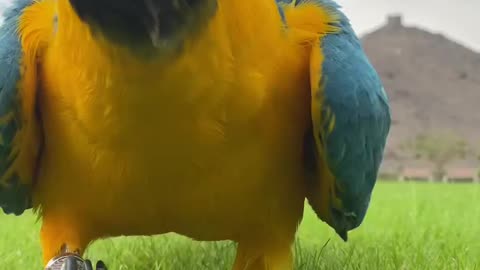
433,83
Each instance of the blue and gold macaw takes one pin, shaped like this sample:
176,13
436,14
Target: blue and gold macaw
214,119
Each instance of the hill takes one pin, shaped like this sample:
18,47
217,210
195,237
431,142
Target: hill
433,83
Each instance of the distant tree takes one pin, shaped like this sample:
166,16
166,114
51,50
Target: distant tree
439,149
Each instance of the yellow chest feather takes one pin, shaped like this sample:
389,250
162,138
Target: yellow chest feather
144,147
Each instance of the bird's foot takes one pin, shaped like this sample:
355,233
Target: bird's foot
73,262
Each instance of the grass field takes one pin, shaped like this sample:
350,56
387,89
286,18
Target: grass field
408,226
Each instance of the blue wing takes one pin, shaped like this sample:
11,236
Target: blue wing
354,119
18,125
350,124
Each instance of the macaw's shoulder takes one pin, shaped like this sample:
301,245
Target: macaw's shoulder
10,49
310,9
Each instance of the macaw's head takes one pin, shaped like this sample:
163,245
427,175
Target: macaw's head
160,24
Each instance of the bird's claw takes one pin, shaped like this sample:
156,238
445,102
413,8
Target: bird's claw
74,262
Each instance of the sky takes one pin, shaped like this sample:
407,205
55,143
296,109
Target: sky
456,19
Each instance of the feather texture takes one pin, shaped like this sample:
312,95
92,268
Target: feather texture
355,117
19,130
350,122
208,144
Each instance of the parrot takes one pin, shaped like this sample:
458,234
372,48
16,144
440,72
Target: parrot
212,119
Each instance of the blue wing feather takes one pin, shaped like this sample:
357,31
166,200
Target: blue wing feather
351,121
353,98
15,196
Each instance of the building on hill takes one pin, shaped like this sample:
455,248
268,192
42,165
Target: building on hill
394,22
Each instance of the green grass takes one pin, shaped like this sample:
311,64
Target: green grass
408,226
